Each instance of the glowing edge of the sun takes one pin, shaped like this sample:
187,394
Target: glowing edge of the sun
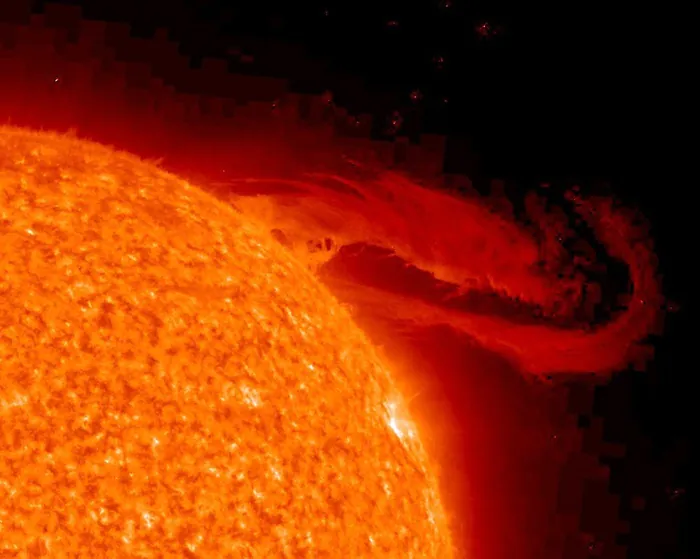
398,416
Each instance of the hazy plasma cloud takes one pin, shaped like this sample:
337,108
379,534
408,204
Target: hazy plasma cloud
470,248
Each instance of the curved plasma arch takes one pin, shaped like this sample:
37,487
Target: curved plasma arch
462,242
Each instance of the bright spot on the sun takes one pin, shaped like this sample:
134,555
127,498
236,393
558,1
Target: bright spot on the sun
401,426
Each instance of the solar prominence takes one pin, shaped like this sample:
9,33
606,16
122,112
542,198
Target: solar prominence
174,384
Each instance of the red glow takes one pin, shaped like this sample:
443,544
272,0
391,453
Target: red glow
463,243
292,176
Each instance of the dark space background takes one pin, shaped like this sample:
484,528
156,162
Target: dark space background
577,93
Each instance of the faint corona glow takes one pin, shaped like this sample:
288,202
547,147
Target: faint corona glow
174,383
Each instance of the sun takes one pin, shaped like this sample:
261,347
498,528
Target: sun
174,384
